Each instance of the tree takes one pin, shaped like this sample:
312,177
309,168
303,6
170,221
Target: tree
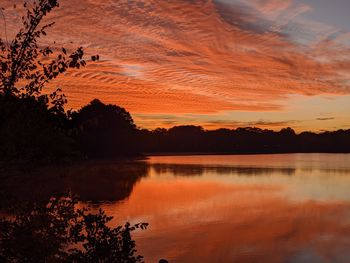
29,133
33,122
105,130
25,68
186,138
56,231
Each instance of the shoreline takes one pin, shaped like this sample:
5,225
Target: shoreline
218,153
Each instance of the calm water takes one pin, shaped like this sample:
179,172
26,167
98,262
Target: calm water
252,208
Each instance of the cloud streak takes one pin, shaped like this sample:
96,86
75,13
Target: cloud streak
325,119
201,56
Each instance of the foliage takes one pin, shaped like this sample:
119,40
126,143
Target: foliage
104,130
191,139
29,131
59,232
25,67
33,123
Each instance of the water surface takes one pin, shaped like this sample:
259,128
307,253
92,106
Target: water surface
242,208
230,208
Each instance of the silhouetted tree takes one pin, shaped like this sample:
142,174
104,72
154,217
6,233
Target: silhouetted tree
32,124
25,67
29,131
57,231
105,130
186,138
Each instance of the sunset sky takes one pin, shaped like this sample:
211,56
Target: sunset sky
215,63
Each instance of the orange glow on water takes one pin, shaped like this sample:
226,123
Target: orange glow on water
266,208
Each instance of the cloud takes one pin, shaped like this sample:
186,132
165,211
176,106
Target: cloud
264,124
325,119
196,56
210,122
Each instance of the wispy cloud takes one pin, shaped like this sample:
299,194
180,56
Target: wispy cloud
201,56
208,122
264,124
325,119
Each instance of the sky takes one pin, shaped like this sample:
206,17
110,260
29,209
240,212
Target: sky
214,63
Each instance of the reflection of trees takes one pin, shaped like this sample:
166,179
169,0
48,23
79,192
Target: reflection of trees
106,182
198,170
93,182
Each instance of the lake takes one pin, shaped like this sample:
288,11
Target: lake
227,208
241,208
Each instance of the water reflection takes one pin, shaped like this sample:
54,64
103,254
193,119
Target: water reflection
93,182
266,208
261,229
213,222
203,210
300,161
199,170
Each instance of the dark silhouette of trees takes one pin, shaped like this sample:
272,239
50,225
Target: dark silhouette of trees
105,130
186,138
35,127
25,67
57,231
194,139
33,122
28,131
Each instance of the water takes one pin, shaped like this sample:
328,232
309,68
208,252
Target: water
239,208
252,208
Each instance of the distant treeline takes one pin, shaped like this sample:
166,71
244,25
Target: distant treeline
192,139
29,131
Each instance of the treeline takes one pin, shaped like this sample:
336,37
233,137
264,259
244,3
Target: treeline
29,131
194,139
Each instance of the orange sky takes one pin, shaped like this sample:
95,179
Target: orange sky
216,63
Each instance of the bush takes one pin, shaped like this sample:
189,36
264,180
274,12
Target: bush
57,231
